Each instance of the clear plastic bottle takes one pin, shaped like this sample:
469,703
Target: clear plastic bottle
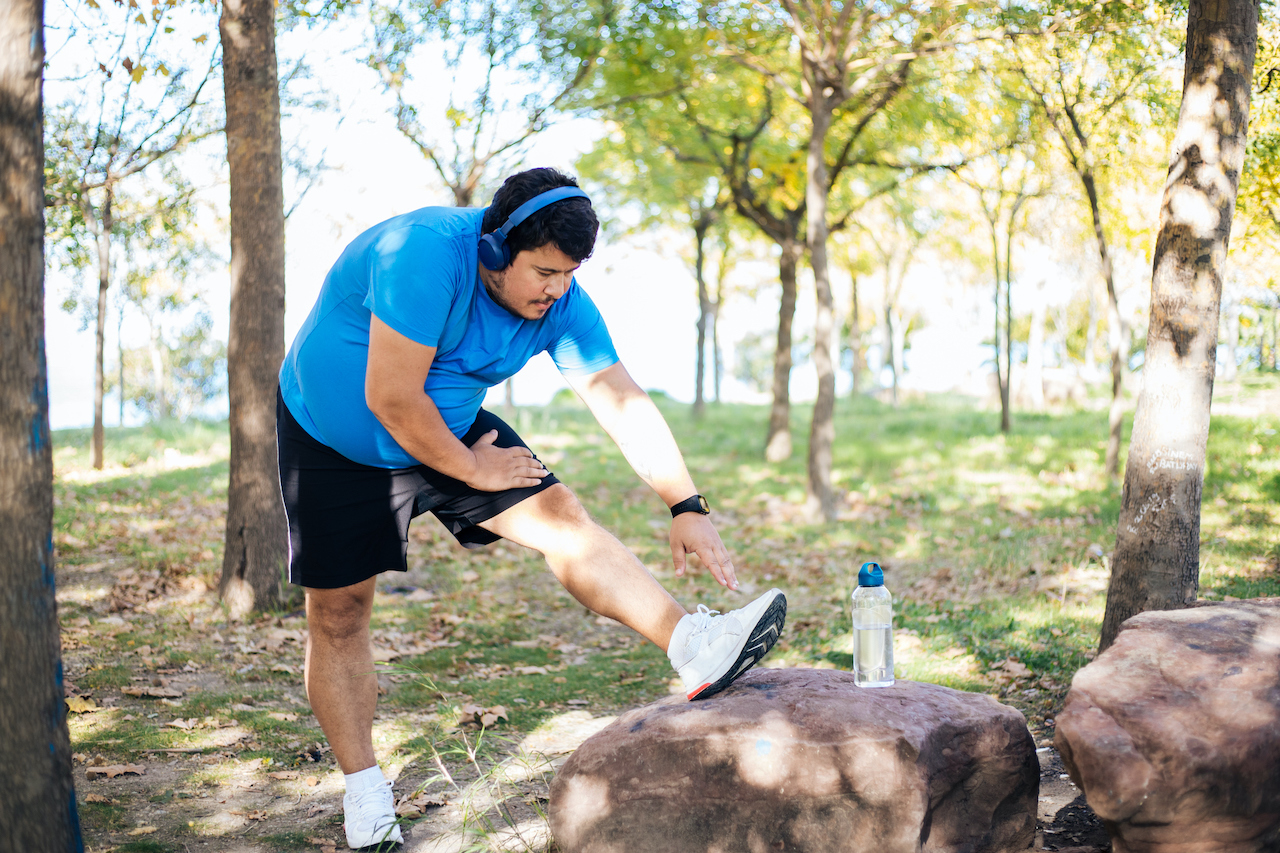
872,629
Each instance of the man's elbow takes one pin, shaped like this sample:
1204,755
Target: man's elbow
384,403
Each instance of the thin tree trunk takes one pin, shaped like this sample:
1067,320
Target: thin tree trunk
1116,329
822,430
37,795
701,224
855,340
1002,382
509,396
256,541
103,245
778,442
889,332
1006,406
898,351
1156,563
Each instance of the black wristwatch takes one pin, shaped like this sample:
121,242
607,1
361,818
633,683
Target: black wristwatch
697,504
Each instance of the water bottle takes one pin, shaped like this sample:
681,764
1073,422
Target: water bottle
872,629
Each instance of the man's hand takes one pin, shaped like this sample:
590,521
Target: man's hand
500,468
693,533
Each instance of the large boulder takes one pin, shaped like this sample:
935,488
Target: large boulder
1173,733
803,760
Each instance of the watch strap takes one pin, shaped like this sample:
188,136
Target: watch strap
697,504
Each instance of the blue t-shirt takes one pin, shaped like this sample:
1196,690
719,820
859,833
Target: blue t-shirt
419,274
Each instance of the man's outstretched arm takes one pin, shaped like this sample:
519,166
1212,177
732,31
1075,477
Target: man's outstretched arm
635,424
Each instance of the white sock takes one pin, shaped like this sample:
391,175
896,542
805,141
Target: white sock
361,780
676,648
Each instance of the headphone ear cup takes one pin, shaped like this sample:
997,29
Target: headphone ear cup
493,250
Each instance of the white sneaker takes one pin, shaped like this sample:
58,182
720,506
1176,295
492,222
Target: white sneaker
370,817
717,649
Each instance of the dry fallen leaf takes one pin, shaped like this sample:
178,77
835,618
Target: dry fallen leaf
111,771
186,725
312,781
531,670
98,798
413,805
142,830
284,774
477,715
151,692
80,705
285,718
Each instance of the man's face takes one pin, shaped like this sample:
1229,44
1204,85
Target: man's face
535,279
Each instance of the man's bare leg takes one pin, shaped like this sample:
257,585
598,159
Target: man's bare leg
340,678
591,563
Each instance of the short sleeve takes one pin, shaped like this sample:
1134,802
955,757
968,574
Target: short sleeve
414,273
583,344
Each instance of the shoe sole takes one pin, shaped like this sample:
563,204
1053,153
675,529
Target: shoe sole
766,632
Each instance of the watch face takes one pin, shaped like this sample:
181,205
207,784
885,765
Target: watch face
702,503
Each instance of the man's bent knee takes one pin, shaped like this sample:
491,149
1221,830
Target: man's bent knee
342,613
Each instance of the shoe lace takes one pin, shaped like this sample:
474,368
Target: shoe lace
371,803
709,622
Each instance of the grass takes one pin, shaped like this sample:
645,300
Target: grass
994,547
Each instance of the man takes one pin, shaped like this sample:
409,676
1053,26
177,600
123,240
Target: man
379,420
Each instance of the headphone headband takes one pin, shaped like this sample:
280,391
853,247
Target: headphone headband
494,252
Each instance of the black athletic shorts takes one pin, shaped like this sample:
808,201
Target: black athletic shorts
349,522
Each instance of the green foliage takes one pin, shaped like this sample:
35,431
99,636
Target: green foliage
506,68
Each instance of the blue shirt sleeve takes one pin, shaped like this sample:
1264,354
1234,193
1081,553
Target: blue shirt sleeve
414,274
583,345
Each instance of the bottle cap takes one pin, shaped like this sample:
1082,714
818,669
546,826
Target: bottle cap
870,575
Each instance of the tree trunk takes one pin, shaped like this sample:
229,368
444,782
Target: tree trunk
822,430
778,442
1156,561
256,541
37,796
1006,406
509,396
888,360
700,226
855,340
1117,331
1002,376
103,246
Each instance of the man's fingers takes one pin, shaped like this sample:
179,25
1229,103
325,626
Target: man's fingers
677,557
488,438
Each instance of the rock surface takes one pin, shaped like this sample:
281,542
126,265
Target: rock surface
803,760
1173,733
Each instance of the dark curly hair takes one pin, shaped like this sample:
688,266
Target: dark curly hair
571,225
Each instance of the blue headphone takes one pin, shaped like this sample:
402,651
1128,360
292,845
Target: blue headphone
494,252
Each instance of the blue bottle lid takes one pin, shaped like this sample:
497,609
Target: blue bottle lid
870,575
